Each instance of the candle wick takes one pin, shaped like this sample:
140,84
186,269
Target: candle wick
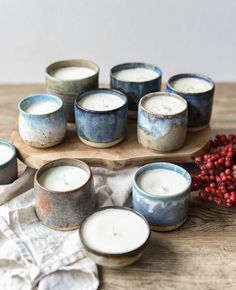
104,104
64,179
164,188
166,108
114,232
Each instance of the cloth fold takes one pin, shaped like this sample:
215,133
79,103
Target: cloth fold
35,257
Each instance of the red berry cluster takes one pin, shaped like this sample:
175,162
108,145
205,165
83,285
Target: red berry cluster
216,181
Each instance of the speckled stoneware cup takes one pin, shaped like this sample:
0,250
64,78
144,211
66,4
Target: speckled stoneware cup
162,132
65,210
101,129
163,212
199,104
8,169
114,261
135,90
67,90
44,130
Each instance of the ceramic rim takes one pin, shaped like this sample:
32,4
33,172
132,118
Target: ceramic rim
130,65
190,75
129,253
63,162
162,165
98,91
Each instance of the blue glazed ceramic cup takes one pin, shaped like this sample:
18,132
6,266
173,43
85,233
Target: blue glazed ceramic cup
164,212
42,129
199,103
162,132
8,163
101,129
135,90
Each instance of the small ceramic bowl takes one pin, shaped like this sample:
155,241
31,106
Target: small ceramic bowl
42,130
8,166
64,210
68,89
199,103
163,212
135,90
162,132
101,129
111,260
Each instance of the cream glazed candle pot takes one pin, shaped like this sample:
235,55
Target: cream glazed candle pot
162,121
64,193
115,237
161,193
8,163
67,78
42,121
135,80
101,117
198,90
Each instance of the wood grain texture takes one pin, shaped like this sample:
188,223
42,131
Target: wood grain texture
200,255
127,153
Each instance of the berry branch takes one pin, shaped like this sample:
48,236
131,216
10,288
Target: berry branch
216,181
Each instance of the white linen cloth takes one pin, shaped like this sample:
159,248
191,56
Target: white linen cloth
33,256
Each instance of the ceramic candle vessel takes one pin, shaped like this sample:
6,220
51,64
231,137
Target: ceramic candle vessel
101,123
162,128
165,209
134,87
64,209
123,236
65,81
8,163
198,90
42,121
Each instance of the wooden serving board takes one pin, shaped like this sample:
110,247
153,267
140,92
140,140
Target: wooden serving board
128,153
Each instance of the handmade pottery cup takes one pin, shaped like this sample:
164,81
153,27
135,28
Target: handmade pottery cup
101,129
164,212
67,89
199,102
8,163
162,132
42,130
64,210
114,260
135,90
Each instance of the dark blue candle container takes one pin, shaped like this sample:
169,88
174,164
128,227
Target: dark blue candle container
199,103
101,129
135,90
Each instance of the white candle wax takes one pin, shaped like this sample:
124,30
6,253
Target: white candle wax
136,75
191,85
101,102
63,178
162,181
6,153
42,107
115,231
163,104
72,73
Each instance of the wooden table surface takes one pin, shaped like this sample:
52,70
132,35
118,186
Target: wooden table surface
201,254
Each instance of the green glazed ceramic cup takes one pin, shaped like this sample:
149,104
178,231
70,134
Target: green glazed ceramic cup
68,89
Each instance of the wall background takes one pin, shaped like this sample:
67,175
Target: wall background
178,36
